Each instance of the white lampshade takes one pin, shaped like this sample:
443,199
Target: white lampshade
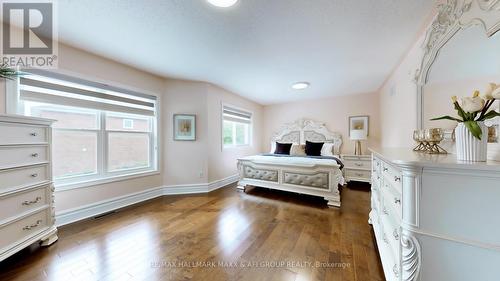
358,135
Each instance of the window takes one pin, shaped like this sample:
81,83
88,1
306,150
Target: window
236,127
109,134
128,124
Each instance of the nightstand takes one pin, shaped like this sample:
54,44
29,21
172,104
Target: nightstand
357,168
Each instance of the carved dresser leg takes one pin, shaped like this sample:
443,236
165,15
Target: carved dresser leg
50,239
333,202
241,187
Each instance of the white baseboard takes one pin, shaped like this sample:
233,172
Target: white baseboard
105,206
101,207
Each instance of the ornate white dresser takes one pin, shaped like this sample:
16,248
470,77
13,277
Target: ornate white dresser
26,190
435,218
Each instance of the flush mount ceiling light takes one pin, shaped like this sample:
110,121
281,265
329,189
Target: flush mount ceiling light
300,85
222,3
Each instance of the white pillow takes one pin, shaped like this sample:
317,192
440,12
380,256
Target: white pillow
298,150
327,149
273,147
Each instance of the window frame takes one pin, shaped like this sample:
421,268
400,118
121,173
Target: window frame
14,105
250,128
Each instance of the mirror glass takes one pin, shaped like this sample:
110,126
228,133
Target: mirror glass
469,61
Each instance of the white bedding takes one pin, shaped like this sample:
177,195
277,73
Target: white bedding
296,161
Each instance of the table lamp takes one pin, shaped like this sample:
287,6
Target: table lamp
358,136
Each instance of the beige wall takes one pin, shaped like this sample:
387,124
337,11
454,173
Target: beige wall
185,161
89,66
334,112
398,96
222,161
204,160
181,162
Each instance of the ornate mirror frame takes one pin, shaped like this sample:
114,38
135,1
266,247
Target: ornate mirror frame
452,17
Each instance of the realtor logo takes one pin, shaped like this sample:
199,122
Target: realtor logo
28,34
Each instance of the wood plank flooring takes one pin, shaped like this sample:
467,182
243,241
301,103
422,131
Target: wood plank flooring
224,235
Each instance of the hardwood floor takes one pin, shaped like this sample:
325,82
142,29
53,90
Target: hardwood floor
223,235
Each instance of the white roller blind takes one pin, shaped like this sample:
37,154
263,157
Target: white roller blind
236,115
64,90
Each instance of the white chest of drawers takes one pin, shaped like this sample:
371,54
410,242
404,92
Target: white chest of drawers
26,189
357,167
435,218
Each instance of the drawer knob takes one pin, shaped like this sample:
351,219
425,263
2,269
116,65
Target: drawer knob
385,169
385,211
397,179
397,200
396,235
395,270
34,155
359,174
28,227
33,134
358,164
34,175
27,203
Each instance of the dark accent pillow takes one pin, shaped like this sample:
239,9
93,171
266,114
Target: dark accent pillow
314,148
283,148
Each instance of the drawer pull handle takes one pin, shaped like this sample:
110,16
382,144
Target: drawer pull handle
33,134
34,155
359,174
28,227
397,200
395,270
359,164
27,203
396,235
34,175
397,179
385,239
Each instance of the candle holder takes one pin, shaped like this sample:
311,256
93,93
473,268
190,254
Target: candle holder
428,141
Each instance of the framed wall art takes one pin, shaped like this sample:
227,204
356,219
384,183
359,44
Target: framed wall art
184,127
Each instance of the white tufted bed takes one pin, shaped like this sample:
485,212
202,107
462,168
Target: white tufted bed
313,176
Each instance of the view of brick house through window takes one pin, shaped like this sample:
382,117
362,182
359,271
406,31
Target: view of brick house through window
76,139
100,132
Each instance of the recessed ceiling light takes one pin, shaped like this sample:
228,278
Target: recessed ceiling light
222,3
300,85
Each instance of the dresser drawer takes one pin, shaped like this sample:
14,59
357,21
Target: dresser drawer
376,165
359,174
16,156
18,203
392,176
392,201
13,133
22,177
18,231
392,234
357,164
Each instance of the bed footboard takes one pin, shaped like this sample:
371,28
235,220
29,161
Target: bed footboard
317,180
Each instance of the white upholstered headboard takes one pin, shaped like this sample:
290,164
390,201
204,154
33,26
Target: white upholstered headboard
304,130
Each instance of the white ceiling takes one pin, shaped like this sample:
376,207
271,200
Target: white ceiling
257,48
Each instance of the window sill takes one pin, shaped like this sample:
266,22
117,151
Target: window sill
94,182
236,146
